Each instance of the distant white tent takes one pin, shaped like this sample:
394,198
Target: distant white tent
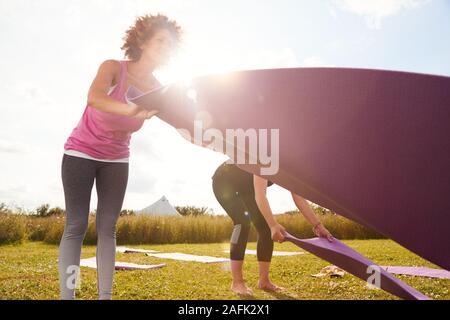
162,207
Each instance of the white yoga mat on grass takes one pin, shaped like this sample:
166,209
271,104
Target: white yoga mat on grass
92,263
133,250
187,257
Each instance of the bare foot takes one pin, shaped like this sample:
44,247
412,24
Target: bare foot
269,286
241,288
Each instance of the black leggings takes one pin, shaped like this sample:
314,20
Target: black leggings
78,175
242,208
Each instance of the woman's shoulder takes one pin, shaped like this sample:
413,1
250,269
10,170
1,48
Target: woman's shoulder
112,66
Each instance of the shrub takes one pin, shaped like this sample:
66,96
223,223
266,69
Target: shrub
12,228
142,229
193,211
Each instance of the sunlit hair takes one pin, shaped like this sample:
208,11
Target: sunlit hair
143,29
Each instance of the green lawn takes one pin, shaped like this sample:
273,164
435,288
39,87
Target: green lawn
29,271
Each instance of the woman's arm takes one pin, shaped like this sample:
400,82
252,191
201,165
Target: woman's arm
309,215
260,185
98,97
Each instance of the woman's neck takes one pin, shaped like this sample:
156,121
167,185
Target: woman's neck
141,70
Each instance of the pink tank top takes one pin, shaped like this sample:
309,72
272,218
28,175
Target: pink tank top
105,135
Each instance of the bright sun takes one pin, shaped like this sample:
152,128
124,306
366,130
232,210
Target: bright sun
197,61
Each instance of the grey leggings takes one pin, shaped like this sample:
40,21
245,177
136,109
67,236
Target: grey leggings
78,175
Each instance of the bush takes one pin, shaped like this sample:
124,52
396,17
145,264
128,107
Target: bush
55,230
4,208
12,228
56,211
190,229
193,211
38,227
42,211
142,229
126,212
45,211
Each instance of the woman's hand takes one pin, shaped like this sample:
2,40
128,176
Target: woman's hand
136,111
322,232
277,231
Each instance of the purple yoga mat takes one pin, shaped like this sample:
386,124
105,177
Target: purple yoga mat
370,145
351,261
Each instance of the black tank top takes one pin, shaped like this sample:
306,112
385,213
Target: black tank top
241,179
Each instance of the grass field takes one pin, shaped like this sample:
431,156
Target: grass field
29,271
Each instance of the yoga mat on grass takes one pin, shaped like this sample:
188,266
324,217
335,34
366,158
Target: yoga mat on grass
187,257
92,263
133,250
351,261
403,270
275,253
418,271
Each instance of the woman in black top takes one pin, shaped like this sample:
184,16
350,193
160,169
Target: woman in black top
242,195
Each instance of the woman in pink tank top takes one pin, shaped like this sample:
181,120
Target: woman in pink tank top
98,148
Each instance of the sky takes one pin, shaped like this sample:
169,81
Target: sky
51,51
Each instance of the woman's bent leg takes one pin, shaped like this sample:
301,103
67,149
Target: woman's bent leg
264,246
230,200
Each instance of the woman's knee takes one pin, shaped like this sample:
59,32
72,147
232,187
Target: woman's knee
238,241
240,231
106,228
264,247
75,229
263,230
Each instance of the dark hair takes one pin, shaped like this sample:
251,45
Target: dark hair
143,29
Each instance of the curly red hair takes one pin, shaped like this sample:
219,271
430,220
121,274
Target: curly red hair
143,29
